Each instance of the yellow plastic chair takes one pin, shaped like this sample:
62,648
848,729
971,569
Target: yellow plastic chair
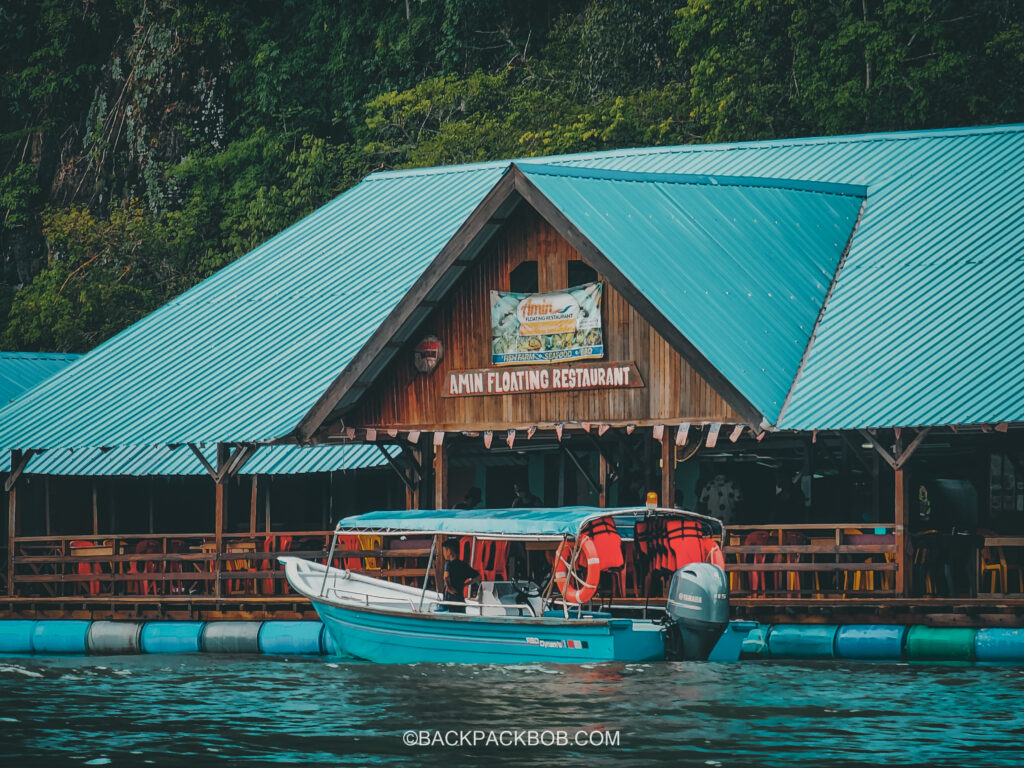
860,579
369,543
994,565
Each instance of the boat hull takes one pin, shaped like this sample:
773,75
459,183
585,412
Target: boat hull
397,638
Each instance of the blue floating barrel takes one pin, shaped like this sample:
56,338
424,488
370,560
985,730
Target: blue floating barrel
879,642
802,641
290,637
755,643
108,637
999,644
232,637
172,636
60,636
16,636
940,643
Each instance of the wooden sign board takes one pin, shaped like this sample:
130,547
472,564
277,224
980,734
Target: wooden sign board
541,379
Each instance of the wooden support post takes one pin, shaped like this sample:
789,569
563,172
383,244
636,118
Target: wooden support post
253,503
12,524
903,575
902,518
668,479
412,477
220,509
602,479
95,510
440,477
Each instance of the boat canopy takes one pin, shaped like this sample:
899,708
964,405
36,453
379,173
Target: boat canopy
543,522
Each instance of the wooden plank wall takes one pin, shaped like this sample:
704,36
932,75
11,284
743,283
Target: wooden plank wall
407,399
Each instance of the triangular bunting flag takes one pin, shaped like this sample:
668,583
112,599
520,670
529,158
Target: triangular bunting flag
414,436
511,437
488,436
658,432
682,433
371,434
736,432
438,438
713,435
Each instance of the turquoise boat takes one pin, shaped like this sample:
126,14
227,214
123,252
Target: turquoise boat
508,621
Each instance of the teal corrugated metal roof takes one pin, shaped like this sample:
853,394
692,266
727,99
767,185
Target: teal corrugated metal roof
242,356
738,265
139,461
20,371
248,351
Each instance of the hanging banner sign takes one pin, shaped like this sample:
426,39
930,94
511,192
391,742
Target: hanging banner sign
557,378
532,328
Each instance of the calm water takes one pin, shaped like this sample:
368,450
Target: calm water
205,710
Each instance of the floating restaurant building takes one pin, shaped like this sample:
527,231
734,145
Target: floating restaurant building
819,340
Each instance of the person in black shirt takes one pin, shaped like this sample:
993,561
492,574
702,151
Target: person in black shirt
456,574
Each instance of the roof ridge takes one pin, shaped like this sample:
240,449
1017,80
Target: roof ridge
846,138
696,179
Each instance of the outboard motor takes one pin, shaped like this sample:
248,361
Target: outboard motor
698,603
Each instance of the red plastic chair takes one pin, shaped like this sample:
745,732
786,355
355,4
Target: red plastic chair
272,543
758,582
145,547
496,563
789,580
176,547
88,568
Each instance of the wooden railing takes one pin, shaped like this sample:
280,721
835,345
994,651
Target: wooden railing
813,560
190,563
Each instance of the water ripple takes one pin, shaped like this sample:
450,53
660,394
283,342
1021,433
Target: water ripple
263,711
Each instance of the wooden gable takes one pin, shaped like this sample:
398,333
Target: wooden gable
406,399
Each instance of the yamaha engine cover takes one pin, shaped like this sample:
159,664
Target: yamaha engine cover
698,601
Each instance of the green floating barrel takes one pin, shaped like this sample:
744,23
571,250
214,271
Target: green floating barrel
940,643
802,641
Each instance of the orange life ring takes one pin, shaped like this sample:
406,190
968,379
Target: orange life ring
565,575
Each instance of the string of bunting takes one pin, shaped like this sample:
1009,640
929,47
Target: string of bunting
658,431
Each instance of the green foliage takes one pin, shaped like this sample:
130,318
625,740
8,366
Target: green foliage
145,144
102,275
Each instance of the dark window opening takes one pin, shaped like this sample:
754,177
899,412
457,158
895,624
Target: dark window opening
523,279
579,272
